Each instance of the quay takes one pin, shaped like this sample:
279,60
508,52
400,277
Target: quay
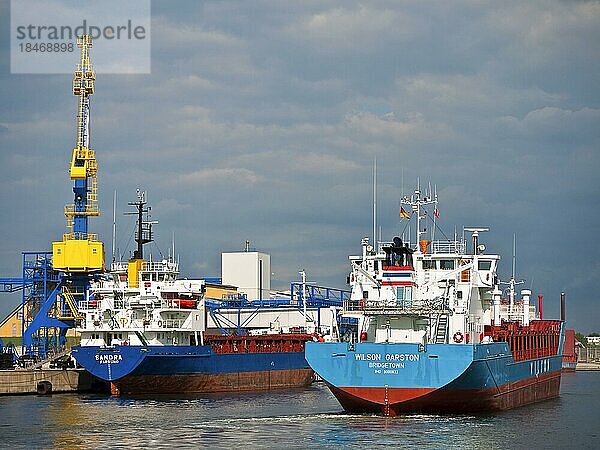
587,366
47,381
588,358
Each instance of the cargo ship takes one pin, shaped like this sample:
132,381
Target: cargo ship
144,330
427,329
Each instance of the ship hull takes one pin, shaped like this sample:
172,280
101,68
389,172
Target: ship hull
441,378
192,369
204,383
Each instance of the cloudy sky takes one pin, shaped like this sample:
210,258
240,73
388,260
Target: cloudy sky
261,120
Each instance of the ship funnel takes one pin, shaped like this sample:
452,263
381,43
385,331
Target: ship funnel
541,306
562,307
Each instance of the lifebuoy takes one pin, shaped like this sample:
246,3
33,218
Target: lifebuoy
160,324
458,337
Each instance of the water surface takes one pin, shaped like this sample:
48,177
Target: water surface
302,418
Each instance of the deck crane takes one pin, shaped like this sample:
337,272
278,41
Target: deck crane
51,308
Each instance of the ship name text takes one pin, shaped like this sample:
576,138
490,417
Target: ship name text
401,357
109,359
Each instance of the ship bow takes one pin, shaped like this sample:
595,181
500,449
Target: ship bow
381,377
110,363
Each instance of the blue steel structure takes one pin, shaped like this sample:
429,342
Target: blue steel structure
11,284
316,297
40,286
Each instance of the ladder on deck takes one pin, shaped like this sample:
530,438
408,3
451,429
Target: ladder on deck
442,329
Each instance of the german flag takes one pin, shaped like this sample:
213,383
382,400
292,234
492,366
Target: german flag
404,214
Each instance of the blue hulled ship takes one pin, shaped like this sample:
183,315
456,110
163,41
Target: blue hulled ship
428,329
146,330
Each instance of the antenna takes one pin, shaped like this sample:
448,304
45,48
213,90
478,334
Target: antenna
114,236
375,203
417,203
512,283
402,186
173,246
435,211
514,256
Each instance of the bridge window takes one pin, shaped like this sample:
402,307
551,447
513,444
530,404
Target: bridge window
484,265
447,264
404,296
429,264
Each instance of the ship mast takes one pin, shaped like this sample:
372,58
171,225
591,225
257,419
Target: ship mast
512,283
143,233
417,203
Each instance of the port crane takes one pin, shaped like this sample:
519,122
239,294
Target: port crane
54,282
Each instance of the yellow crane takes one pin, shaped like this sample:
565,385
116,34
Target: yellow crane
80,251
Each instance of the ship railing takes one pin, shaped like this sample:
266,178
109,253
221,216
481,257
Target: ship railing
450,246
118,266
457,247
173,323
92,304
86,305
161,266
438,305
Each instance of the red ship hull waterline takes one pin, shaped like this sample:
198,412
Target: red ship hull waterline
524,392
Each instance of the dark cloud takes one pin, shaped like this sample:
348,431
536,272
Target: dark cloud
261,121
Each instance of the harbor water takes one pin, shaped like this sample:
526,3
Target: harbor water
303,418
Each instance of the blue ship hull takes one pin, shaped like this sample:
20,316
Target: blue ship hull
396,378
197,369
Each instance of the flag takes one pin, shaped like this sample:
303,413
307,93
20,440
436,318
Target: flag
404,214
436,213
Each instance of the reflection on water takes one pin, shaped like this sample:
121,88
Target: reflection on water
303,418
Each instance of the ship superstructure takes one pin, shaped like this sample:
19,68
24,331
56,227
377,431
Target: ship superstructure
427,329
142,302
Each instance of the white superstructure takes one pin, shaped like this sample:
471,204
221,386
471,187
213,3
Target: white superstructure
431,292
158,309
